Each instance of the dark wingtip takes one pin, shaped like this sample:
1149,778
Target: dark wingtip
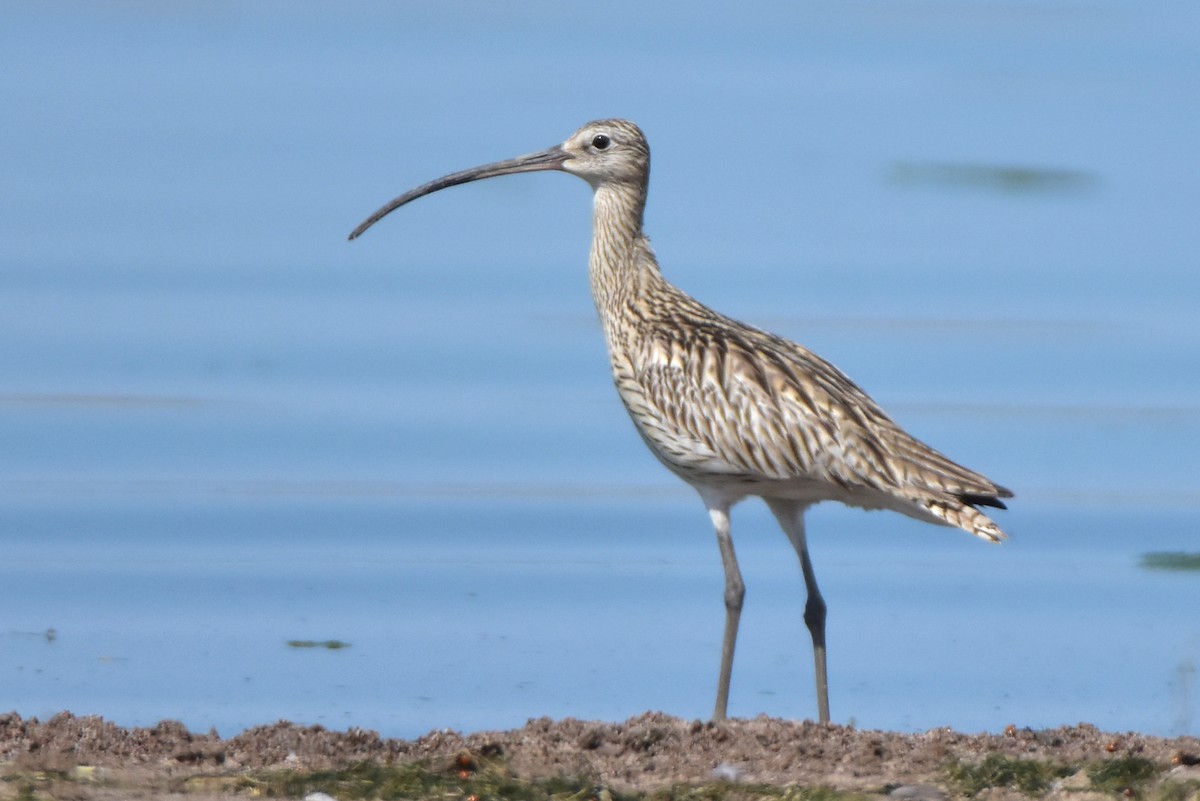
987,500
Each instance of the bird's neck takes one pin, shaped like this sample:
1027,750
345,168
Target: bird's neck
622,265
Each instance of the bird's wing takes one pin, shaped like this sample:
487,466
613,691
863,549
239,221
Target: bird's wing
731,399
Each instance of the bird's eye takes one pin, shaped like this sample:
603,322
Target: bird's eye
601,141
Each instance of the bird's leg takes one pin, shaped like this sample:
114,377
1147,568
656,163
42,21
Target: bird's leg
814,618
791,518
735,591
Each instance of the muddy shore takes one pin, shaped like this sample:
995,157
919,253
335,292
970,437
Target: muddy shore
90,758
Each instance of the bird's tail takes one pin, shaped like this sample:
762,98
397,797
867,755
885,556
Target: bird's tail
961,514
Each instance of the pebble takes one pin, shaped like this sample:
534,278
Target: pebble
918,792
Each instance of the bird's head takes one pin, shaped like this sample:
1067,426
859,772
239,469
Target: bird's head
608,151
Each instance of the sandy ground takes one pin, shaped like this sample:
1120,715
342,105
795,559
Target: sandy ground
89,758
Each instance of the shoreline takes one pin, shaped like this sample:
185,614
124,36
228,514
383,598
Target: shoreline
90,758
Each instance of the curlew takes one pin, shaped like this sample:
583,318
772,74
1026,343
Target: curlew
733,410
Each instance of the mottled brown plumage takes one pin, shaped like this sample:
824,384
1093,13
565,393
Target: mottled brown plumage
733,410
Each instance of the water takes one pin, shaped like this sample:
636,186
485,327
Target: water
225,429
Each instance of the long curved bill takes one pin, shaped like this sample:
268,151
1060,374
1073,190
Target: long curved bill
549,159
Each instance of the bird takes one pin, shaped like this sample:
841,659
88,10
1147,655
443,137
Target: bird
731,409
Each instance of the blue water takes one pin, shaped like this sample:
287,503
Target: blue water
224,428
